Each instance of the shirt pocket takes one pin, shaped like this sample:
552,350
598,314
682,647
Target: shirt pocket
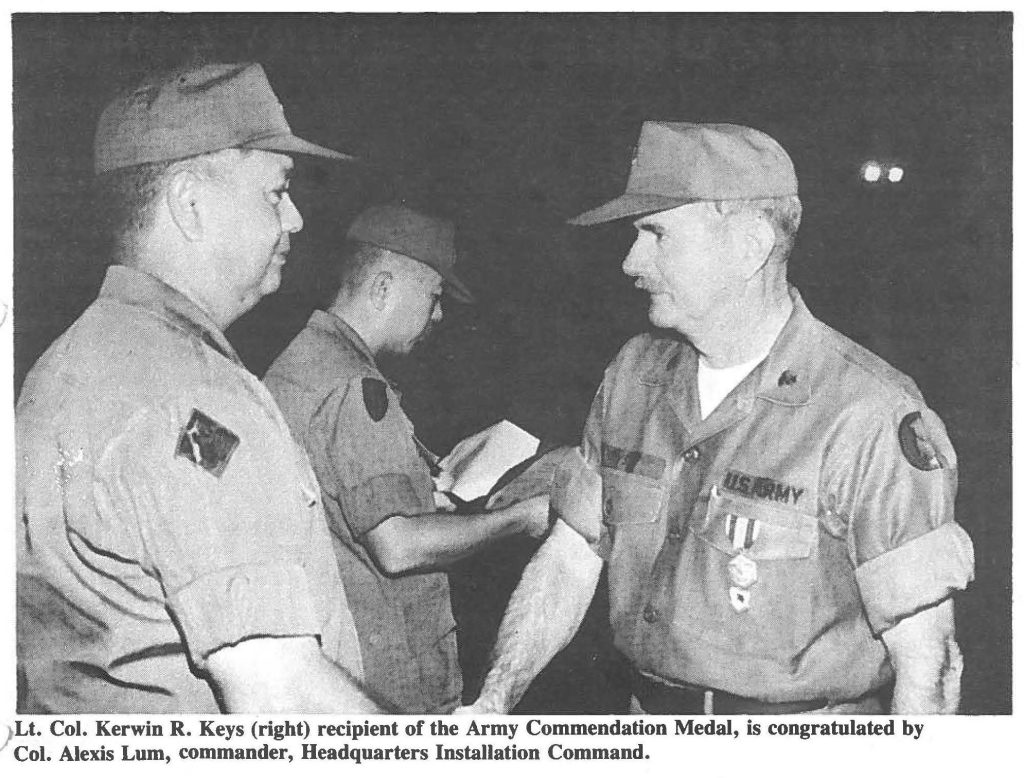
785,602
761,531
628,499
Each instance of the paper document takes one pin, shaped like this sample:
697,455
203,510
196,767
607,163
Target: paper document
476,463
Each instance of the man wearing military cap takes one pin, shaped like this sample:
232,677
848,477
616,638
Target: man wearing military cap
172,549
392,543
774,502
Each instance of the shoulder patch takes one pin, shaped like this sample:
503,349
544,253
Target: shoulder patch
206,443
375,398
920,445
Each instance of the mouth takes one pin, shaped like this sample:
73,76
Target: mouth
280,257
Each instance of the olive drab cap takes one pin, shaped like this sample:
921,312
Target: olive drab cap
677,163
196,111
426,239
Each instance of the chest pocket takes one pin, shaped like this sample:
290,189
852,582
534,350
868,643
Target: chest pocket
787,602
628,499
760,530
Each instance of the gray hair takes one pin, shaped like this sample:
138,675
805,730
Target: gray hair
782,213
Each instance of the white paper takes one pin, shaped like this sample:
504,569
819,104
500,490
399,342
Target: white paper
476,463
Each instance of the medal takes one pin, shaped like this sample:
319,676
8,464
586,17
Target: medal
739,599
742,571
742,532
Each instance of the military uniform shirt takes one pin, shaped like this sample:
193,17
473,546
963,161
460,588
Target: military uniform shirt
371,467
164,512
763,550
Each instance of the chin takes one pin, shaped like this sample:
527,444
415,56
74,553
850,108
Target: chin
666,320
271,283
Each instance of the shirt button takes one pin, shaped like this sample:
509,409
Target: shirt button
691,455
650,614
674,535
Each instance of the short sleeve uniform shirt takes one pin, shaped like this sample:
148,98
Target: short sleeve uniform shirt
164,512
371,467
762,551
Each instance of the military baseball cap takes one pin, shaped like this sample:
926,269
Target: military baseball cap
426,239
677,163
196,111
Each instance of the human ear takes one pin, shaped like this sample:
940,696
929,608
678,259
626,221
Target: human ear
381,288
758,242
182,203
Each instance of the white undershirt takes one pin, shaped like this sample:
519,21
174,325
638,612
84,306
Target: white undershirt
715,383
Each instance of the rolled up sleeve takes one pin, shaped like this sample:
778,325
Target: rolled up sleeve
228,606
576,486
376,468
915,575
897,486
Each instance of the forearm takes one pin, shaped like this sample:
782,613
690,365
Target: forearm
285,675
927,660
434,541
329,688
544,613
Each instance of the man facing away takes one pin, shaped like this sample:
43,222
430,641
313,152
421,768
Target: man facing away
172,550
392,543
774,502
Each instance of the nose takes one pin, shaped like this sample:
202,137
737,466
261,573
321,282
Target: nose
291,219
635,260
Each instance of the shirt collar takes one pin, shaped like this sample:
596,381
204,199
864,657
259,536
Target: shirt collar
137,288
785,375
339,328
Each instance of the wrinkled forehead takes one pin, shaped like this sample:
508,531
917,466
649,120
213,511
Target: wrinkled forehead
270,161
697,213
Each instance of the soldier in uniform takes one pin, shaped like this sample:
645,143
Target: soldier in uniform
392,543
773,501
173,554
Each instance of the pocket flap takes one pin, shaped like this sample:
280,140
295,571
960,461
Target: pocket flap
759,530
629,499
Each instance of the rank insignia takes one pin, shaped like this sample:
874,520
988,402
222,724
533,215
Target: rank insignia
917,445
742,571
206,443
375,398
739,599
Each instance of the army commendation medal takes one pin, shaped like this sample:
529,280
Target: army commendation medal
742,569
742,575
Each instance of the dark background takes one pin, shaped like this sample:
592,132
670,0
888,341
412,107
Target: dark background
510,124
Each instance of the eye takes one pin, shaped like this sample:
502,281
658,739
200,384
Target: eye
653,230
277,194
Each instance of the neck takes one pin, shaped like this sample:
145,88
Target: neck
744,328
361,321
191,286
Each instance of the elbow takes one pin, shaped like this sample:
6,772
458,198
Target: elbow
394,561
392,557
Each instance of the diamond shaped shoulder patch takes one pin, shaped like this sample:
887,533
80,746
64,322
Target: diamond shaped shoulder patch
207,443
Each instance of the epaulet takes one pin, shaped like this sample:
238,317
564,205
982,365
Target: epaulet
890,382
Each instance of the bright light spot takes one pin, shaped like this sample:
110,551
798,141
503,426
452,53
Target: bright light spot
871,172
895,174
